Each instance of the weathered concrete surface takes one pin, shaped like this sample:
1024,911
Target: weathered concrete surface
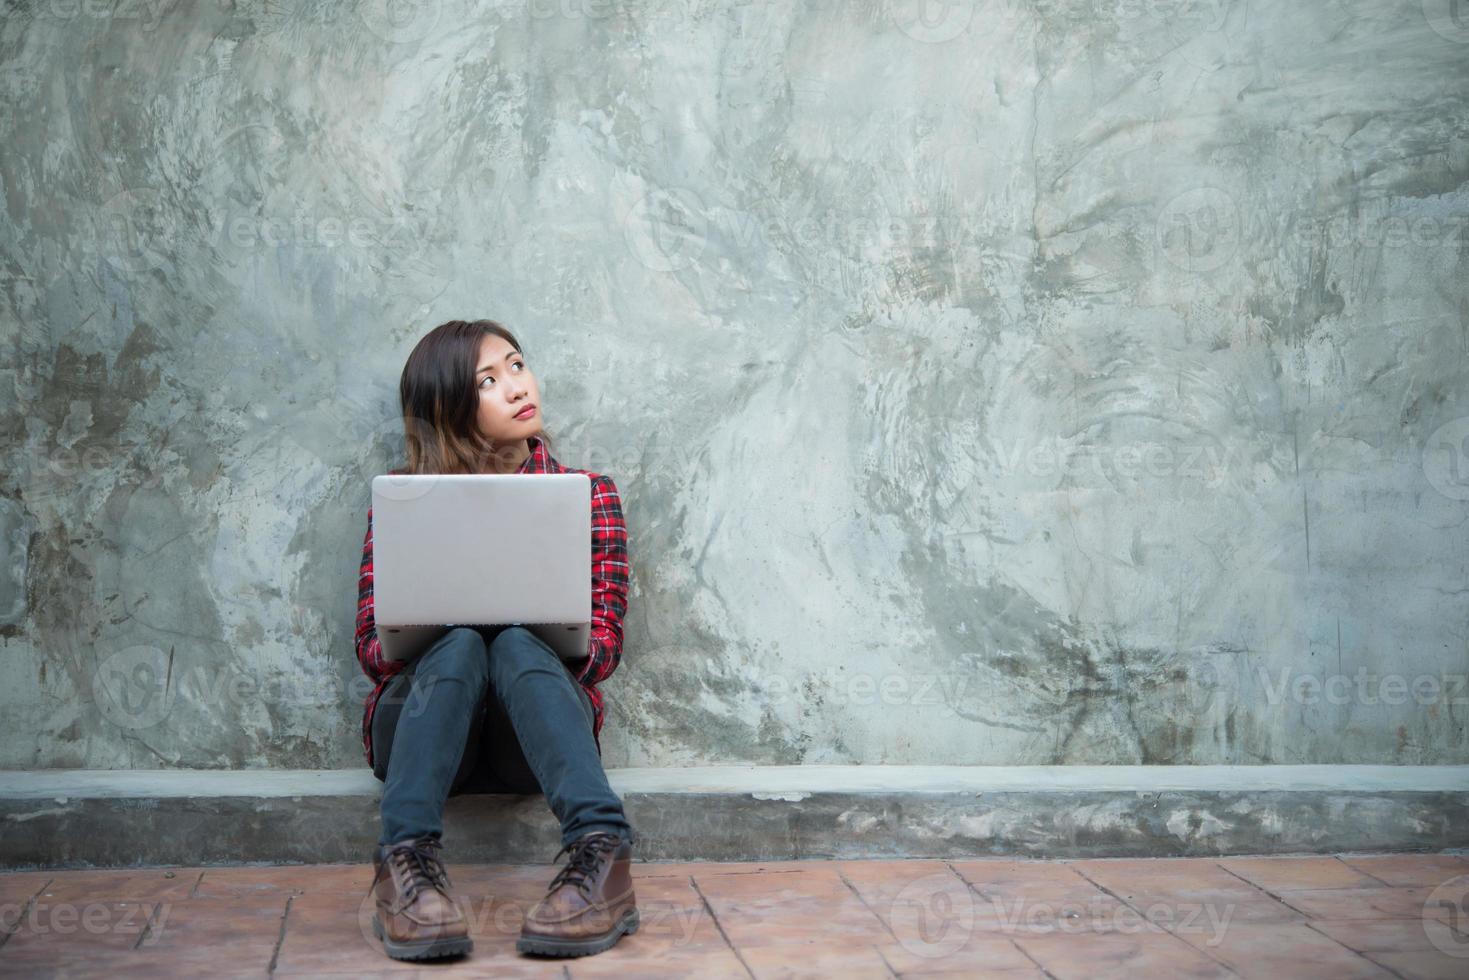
730,813
1040,382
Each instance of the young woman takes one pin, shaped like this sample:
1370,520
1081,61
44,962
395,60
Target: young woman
494,709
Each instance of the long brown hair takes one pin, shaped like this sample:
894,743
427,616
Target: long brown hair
440,404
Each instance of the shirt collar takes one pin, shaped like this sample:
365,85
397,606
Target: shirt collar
539,460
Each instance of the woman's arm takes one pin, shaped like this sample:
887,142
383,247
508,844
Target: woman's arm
369,647
610,574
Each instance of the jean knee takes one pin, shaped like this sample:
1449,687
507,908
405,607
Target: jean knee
459,653
516,648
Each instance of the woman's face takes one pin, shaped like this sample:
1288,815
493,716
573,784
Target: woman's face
506,389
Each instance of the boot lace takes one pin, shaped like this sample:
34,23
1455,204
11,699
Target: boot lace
419,860
585,853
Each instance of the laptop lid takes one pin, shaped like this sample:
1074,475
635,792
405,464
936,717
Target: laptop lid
482,550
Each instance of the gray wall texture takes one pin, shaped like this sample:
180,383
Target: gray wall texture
1028,381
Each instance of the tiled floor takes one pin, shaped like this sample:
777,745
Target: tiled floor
1329,916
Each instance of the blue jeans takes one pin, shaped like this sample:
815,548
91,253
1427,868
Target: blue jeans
489,710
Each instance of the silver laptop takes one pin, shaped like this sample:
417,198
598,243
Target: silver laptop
482,550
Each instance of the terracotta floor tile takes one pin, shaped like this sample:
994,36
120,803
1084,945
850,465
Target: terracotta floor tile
21,885
1360,903
1298,873
1198,868
243,881
1003,872
938,953
816,961
790,907
1410,869
151,964
1424,965
628,960
1203,892
124,886
94,924
223,924
652,869
984,916
1390,935
1109,955
1291,949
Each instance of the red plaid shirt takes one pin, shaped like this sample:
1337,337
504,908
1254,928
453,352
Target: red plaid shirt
610,573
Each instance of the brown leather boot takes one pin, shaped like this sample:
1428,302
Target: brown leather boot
417,916
589,905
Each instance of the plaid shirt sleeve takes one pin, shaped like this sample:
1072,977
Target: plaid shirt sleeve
610,574
369,647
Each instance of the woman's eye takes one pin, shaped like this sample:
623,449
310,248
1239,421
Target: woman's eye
488,377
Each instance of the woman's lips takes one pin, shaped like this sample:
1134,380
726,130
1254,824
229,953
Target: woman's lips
526,412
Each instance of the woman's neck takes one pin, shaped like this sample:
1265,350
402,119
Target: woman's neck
508,459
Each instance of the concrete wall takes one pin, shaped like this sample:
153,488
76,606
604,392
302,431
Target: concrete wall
998,382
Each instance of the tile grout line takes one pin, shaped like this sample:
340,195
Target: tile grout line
1359,871
1307,915
148,926
1263,890
1311,924
869,908
30,903
1163,929
888,966
973,889
275,954
718,925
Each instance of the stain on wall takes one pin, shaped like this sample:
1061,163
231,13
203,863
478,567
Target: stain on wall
1015,382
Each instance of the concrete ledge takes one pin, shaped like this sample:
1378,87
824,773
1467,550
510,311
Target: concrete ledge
83,818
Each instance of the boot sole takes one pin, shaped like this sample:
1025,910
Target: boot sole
424,949
553,946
